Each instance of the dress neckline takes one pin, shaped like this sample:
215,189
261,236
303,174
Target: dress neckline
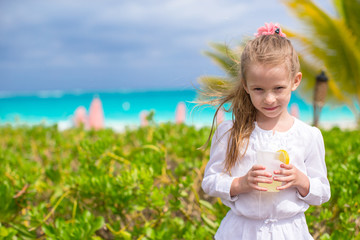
272,132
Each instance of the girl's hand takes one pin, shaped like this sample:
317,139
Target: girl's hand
293,177
249,182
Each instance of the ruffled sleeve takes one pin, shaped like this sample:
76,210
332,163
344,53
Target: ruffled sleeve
216,182
316,171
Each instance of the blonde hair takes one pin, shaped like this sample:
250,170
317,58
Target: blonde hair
268,50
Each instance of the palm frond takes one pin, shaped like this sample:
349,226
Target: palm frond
309,71
225,58
331,42
338,93
310,68
211,88
226,51
349,11
214,84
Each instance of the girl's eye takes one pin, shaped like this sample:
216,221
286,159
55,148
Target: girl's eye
257,89
279,88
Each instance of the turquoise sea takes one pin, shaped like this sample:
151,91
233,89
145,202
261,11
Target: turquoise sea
122,108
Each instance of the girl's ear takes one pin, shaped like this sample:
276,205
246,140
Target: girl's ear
297,81
245,87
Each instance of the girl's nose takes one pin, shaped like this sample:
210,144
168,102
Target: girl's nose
269,98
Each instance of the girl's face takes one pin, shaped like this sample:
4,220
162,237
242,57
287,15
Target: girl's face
270,90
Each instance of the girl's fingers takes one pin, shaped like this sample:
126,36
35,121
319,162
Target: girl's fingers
256,187
284,186
257,174
259,170
258,167
260,173
263,180
285,172
286,169
288,175
284,178
261,189
256,181
286,166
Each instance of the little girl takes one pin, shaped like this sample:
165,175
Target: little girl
269,71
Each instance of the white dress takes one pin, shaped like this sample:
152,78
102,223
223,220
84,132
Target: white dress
264,215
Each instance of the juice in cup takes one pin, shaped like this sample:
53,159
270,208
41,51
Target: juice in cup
272,163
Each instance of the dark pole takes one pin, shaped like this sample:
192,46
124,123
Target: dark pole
320,92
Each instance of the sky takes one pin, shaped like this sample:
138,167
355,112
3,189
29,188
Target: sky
121,45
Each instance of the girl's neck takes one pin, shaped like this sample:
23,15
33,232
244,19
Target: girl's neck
280,124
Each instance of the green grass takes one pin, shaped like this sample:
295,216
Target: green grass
140,184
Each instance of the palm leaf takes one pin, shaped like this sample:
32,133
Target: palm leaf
333,44
212,86
225,58
214,83
349,11
330,40
310,68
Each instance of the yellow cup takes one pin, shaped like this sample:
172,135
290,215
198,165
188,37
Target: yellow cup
271,162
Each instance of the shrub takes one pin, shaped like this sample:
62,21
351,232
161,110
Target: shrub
140,184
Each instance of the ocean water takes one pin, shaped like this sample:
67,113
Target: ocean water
123,108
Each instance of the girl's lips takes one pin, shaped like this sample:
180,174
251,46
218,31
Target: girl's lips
270,109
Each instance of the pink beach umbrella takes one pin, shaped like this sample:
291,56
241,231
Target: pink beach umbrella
294,110
80,117
180,113
220,116
96,114
143,121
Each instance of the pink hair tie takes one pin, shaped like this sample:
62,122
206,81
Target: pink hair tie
269,29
